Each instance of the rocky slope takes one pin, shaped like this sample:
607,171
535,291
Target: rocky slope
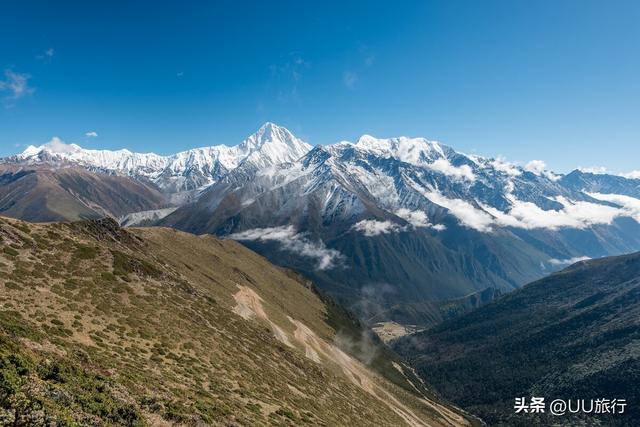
573,335
105,326
42,193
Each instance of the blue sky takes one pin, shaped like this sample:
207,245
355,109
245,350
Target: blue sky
551,80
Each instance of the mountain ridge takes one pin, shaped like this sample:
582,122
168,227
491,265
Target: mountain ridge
203,166
39,193
411,216
571,335
102,325
402,218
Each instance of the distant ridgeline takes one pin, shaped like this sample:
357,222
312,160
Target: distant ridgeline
573,335
384,225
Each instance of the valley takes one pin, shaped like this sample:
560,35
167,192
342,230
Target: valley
572,335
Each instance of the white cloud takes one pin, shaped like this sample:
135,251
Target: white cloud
369,60
368,57
372,227
630,205
350,78
16,85
458,172
568,261
539,167
295,242
536,166
91,134
47,55
502,165
418,219
56,145
287,76
529,216
574,214
415,218
465,212
598,170
631,175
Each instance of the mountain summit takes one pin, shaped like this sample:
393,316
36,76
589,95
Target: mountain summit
182,173
399,220
392,221
273,144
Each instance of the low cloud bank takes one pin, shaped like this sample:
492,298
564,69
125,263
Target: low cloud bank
630,205
372,227
529,216
457,172
292,241
416,219
568,261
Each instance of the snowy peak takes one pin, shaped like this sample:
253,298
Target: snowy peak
185,171
124,161
55,146
268,133
417,151
273,144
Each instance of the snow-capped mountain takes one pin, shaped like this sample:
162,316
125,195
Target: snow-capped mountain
179,173
409,219
401,219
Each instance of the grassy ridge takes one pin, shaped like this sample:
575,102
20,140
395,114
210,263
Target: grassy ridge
104,326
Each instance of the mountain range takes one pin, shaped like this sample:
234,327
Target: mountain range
378,223
572,335
180,175
40,193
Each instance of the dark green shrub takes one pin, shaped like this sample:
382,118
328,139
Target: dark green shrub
10,251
